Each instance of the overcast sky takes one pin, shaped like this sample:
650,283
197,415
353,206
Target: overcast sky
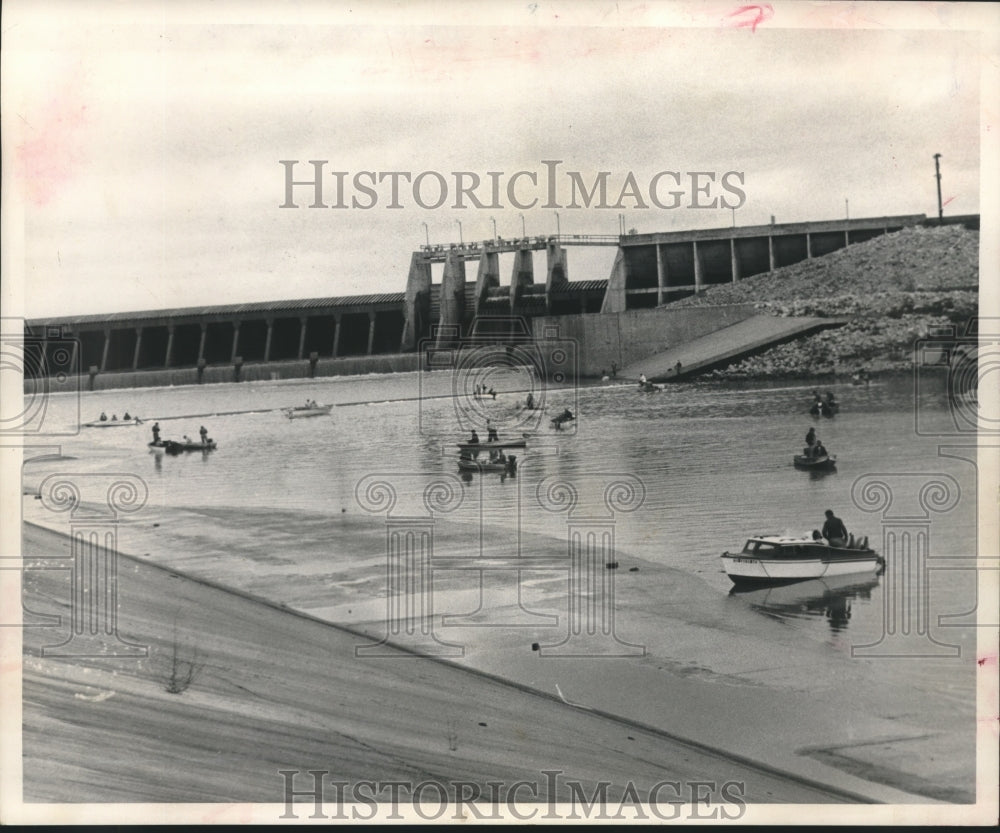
144,152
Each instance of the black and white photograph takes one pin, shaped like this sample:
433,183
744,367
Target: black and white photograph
500,412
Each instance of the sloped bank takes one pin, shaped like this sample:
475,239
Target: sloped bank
896,290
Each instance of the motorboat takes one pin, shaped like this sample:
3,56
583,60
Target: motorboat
311,410
493,445
824,462
112,423
773,559
175,447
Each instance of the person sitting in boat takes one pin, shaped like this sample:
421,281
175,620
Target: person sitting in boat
104,417
810,442
830,401
834,530
126,417
474,439
819,450
565,416
188,440
642,381
156,432
817,535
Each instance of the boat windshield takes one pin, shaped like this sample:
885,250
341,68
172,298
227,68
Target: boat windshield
760,546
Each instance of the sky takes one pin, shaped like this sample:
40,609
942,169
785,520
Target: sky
143,142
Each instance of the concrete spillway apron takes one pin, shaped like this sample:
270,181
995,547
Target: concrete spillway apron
724,346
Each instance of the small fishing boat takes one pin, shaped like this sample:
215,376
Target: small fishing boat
824,409
112,423
494,445
774,559
307,411
509,465
175,447
825,462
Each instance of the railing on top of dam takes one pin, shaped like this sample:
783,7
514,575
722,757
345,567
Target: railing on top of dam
474,248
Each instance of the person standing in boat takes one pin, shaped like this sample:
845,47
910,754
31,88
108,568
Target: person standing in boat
491,432
530,403
810,439
204,435
834,530
156,432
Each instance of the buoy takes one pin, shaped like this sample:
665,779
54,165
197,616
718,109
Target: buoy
534,646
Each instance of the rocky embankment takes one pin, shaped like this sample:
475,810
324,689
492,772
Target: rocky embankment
895,289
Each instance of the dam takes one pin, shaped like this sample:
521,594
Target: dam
616,321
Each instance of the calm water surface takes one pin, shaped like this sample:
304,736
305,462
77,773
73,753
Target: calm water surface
713,461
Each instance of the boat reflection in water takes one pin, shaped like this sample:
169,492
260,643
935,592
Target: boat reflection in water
818,597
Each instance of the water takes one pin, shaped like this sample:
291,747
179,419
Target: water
271,509
714,460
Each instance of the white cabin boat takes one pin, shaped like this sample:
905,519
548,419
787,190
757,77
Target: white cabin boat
772,559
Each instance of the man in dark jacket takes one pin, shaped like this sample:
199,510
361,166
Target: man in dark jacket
834,530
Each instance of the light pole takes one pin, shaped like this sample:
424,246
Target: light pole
847,209
523,232
557,222
460,241
937,173
734,216
494,228
427,235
